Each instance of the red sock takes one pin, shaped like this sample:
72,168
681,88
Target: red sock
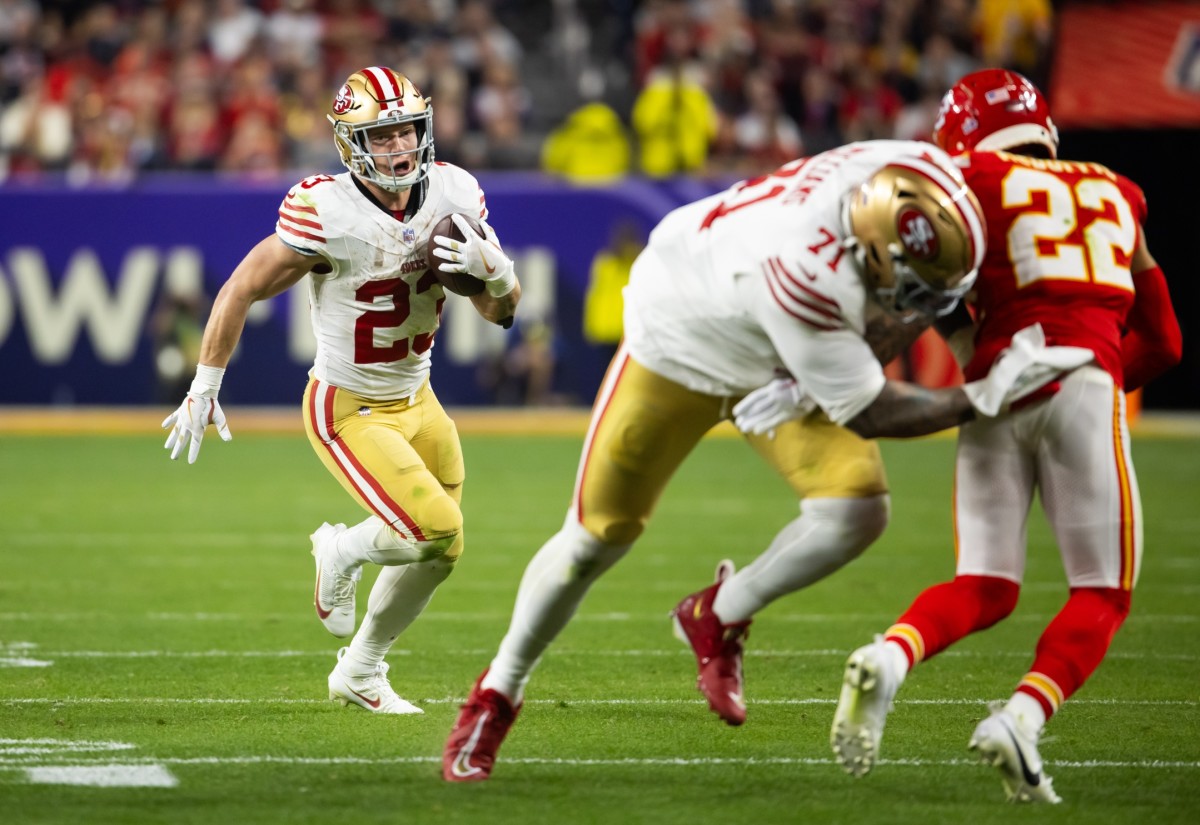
947,612
1074,644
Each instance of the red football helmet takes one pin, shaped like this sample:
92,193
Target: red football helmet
994,109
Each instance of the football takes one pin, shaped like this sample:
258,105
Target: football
460,283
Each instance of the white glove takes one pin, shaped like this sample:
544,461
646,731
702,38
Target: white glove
780,400
480,257
197,411
1024,367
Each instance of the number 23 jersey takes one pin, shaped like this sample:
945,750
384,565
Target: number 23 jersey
1061,236
375,313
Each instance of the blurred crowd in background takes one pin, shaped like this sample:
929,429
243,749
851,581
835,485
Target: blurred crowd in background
587,89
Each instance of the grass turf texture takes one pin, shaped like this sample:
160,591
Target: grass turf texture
175,605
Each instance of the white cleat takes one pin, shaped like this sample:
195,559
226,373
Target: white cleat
333,596
1002,742
868,686
372,693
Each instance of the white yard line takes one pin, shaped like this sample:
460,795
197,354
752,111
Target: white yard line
108,775
667,761
652,653
458,700
648,618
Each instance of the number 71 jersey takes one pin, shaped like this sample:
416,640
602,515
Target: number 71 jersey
1061,237
739,285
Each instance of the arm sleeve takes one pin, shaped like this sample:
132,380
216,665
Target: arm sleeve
1152,342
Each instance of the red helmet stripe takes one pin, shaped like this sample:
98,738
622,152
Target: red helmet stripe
386,86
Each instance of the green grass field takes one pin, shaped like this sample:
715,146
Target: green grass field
156,618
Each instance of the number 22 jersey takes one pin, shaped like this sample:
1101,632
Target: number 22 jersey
1061,236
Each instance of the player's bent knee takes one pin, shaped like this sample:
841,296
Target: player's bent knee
442,524
858,521
995,598
452,554
590,554
609,530
1111,602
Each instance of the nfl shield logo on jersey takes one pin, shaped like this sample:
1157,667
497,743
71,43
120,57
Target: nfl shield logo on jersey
409,235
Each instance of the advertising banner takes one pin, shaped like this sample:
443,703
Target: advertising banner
98,292
1128,64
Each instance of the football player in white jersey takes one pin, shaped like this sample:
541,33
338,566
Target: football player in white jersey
369,411
796,271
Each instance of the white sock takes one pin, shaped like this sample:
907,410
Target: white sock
373,541
554,584
829,533
397,599
1028,713
898,657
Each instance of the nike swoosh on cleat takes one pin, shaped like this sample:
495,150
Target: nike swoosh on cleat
1031,779
322,612
374,703
737,699
462,764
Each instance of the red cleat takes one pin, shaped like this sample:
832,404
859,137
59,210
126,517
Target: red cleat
718,649
482,724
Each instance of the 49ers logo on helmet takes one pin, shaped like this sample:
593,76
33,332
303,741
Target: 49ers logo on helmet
916,233
344,100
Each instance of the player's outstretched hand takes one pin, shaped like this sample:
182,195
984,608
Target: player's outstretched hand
187,425
1023,368
780,400
481,257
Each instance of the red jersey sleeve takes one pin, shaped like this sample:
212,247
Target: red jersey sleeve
1152,342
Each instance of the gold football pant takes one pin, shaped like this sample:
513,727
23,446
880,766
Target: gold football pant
401,460
644,425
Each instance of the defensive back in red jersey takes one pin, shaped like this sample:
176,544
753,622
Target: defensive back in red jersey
1061,236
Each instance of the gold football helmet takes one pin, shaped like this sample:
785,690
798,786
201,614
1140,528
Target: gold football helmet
373,97
918,237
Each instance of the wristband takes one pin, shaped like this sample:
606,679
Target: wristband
207,381
503,284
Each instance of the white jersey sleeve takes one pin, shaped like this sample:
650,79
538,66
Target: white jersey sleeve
377,310
755,279
738,285
813,317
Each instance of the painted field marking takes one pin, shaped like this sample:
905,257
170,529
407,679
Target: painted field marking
664,761
104,776
633,653
458,700
612,616
22,661
100,771
30,747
